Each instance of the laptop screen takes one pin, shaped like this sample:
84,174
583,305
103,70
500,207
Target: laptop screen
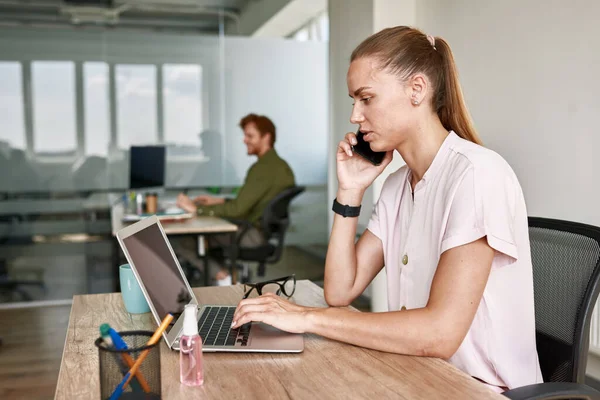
158,270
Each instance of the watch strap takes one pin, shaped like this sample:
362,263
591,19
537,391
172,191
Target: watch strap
345,210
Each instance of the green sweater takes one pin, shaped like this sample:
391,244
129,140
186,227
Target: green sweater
266,178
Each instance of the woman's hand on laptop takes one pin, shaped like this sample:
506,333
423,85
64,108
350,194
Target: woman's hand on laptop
185,203
272,310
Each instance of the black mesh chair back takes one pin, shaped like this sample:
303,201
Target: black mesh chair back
566,268
273,225
275,220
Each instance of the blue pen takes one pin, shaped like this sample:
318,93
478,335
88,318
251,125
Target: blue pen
116,394
116,338
109,343
135,369
119,389
111,337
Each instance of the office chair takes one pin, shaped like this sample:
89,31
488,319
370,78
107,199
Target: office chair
8,285
566,271
273,225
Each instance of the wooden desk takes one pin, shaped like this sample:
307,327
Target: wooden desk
192,226
197,225
326,369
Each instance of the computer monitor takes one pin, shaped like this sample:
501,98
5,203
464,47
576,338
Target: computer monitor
146,167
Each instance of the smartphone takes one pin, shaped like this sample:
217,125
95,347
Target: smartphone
363,149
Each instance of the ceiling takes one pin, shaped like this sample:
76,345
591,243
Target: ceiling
164,15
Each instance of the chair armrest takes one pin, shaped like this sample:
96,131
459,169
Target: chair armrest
553,390
241,222
244,227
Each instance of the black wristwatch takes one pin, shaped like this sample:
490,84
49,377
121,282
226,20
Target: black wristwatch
345,210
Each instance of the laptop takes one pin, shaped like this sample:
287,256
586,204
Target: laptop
167,290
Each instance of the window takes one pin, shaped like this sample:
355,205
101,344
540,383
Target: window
322,24
53,98
12,132
136,105
96,108
315,29
182,104
302,35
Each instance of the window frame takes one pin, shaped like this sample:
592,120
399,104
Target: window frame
313,28
79,102
21,85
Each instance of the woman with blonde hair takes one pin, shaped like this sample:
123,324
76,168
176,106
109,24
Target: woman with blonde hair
450,226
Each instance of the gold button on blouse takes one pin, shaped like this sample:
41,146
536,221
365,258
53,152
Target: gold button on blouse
403,308
405,259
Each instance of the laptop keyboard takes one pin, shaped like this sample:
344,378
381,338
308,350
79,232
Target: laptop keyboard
215,328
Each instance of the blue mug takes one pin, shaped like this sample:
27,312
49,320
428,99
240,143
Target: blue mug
133,297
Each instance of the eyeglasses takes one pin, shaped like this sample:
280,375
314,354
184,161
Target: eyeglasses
285,286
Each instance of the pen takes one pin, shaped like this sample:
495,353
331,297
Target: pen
114,340
153,340
119,360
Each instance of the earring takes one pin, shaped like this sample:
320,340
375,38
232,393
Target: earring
415,102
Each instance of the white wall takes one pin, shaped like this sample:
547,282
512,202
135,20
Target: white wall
287,81
530,75
350,22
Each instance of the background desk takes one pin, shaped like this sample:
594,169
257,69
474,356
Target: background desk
326,369
192,226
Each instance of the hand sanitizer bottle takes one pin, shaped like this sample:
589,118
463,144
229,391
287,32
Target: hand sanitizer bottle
190,353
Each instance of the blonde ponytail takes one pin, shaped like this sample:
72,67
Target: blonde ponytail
449,101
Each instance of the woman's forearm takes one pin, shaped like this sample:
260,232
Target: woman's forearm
341,264
412,332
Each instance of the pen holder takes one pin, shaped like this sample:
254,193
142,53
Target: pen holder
114,364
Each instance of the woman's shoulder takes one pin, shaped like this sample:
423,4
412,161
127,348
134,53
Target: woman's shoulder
484,161
490,174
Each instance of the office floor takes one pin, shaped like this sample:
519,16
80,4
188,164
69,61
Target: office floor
33,338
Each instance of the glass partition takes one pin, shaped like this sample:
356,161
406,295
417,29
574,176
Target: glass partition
73,101
71,116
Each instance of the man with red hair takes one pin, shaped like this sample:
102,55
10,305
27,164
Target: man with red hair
266,178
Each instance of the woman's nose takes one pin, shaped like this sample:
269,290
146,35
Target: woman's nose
356,117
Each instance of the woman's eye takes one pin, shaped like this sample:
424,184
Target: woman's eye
366,100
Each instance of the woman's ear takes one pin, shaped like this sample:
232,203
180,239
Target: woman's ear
417,89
